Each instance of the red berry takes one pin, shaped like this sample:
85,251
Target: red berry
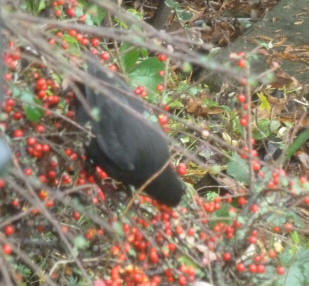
112,67
240,267
182,169
58,13
84,41
166,107
7,249
52,41
306,200
82,18
72,33
18,133
182,280
76,215
153,255
260,268
43,195
256,166
41,84
252,268
8,76
141,256
241,98
280,270
160,87
272,253
49,204
40,128
51,174
15,203
254,232
252,239
18,115
171,247
95,42
288,227
254,208
104,56
241,63
71,12
178,229
79,37
241,201
31,141
45,148
302,180
243,122
271,185
28,172
9,229
227,256
276,229
162,57
163,119
190,232
64,44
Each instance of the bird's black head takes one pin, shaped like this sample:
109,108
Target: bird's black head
167,188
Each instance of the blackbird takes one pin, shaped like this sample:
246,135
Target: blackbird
127,145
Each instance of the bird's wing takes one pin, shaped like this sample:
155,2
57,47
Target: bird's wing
124,136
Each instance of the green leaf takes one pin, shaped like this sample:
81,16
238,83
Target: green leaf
57,78
264,102
73,43
147,74
276,219
262,130
238,169
89,21
69,39
176,104
36,6
129,56
274,125
15,91
121,23
80,242
26,96
300,140
187,261
118,228
135,13
184,15
32,113
41,5
215,169
96,14
295,237
298,263
95,113
79,11
172,4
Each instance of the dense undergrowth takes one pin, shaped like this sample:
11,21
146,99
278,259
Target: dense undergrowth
244,217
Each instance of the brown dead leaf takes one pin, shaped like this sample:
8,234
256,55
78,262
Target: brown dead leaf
283,80
230,184
192,105
303,157
195,106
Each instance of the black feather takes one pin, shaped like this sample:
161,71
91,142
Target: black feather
127,145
